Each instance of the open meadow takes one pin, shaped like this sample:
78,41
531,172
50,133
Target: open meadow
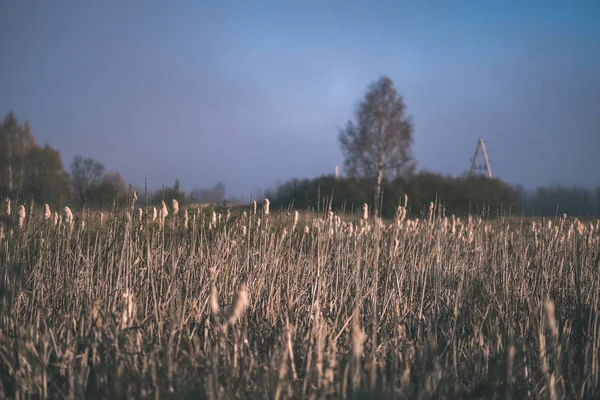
198,303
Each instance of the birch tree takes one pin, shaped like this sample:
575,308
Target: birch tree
377,144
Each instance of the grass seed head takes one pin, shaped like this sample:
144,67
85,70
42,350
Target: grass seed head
129,310
163,210
236,310
214,299
47,212
67,216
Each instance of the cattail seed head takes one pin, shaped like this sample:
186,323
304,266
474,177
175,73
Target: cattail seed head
163,209
22,215
267,206
129,310
357,338
235,311
254,207
549,308
67,216
47,212
214,299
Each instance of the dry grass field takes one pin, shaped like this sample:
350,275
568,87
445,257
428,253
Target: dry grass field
138,304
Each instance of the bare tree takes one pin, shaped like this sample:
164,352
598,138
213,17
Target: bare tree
378,144
85,172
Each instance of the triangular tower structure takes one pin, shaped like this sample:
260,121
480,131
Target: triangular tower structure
482,167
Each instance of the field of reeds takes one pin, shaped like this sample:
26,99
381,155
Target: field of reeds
189,303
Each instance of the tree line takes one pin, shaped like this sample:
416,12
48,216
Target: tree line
378,165
29,171
380,170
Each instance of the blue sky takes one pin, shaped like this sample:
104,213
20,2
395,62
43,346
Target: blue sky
250,92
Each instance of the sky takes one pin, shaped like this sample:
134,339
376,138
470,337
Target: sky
254,92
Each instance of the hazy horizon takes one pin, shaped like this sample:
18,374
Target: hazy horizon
248,93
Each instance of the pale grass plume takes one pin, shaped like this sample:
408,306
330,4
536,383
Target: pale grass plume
67,216
129,310
295,220
162,215
214,295
254,207
7,206
258,222
175,206
56,219
365,212
357,338
306,230
22,215
140,214
214,299
186,218
154,214
431,212
47,212
267,206
235,311
244,231
551,319
163,209
213,218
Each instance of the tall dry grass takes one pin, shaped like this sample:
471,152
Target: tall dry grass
196,304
